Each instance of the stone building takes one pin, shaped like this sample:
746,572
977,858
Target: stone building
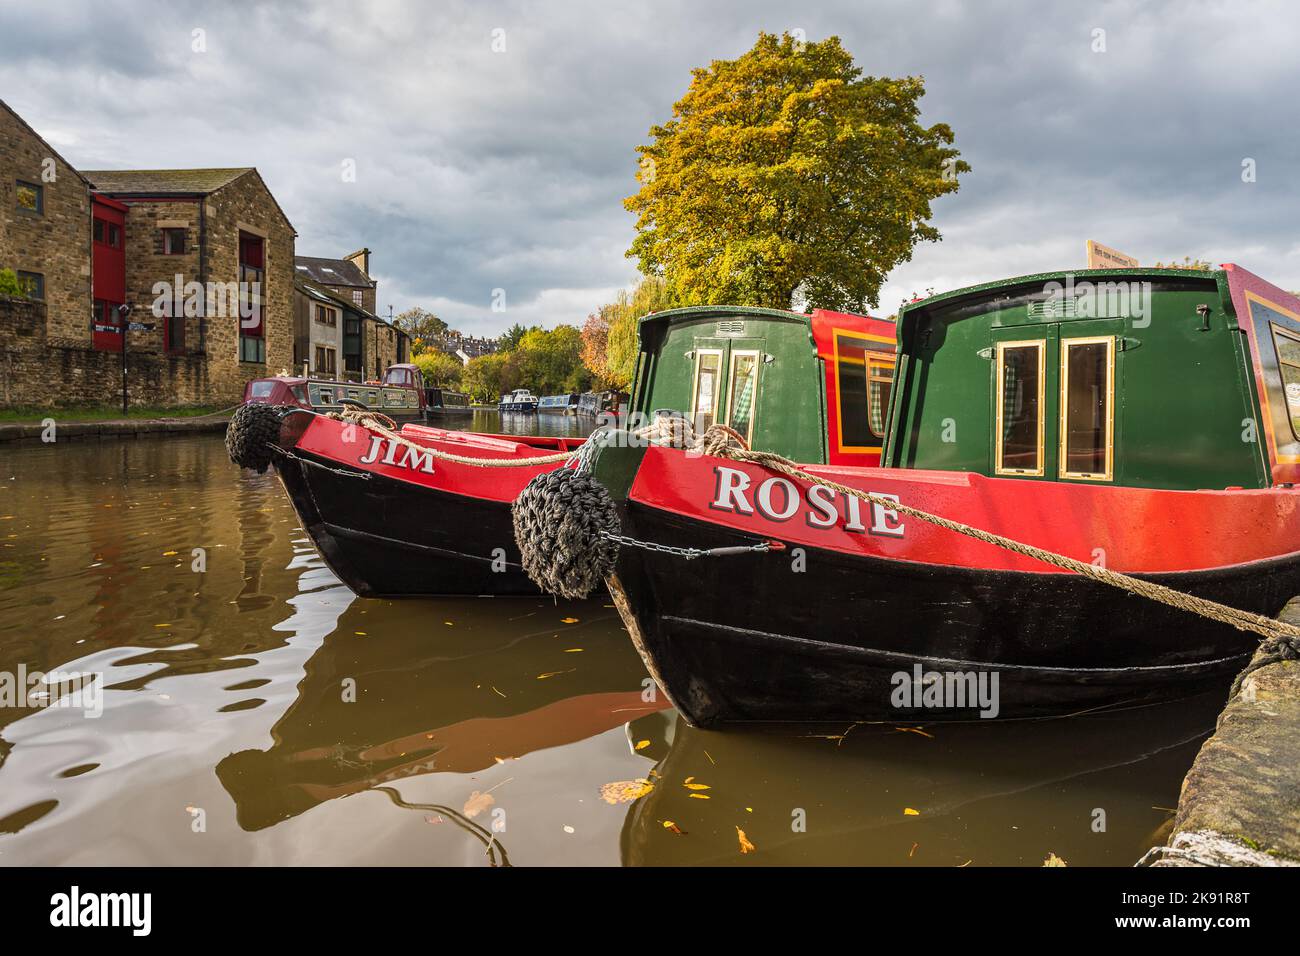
191,270
209,263
348,277
45,227
362,344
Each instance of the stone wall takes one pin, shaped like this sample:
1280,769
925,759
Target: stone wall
54,243
38,371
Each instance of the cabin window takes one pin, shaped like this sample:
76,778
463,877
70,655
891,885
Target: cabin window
744,385
708,369
1019,435
30,197
1287,344
864,377
1087,408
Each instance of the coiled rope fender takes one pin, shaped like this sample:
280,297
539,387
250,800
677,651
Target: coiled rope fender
565,525
252,433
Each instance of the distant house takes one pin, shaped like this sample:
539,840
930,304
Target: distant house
348,277
335,338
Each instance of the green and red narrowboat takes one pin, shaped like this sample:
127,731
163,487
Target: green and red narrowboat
392,521
1147,420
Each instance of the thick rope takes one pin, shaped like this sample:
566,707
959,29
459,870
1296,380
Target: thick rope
368,420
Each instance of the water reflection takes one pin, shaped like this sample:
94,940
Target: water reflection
258,712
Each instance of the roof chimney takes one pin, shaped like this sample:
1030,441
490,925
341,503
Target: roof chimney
361,259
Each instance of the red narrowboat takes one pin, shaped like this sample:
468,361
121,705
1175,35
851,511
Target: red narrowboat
1144,420
392,521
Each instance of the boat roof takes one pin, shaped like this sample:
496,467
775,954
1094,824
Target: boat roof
910,313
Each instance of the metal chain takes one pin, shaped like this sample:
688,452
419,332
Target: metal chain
690,554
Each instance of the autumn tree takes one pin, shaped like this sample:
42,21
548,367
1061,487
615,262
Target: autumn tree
488,377
422,326
440,369
787,175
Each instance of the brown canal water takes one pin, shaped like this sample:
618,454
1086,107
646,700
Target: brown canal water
257,712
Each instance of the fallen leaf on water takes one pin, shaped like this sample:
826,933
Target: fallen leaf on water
168,554
912,852
1054,860
909,812
642,744
573,650
568,620
162,625
669,825
699,796
359,633
625,791
477,803
745,845
554,673
695,786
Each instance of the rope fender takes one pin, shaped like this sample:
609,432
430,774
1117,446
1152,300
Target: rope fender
253,431
565,526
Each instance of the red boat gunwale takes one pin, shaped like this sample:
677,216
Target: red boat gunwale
1132,530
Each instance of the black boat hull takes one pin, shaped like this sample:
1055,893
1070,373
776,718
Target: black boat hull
389,538
748,638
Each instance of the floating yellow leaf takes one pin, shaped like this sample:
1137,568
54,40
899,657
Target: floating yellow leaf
699,796
669,825
909,812
745,845
1054,860
477,803
168,554
625,791
568,620
695,786
359,633
573,650
642,745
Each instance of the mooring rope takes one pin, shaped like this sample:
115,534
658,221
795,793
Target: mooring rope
721,441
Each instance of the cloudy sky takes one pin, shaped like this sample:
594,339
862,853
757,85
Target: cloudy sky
478,170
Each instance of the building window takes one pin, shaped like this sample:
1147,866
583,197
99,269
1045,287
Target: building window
325,361
356,297
31,198
326,315
1087,408
33,284
108,233
252,320
1019,427
173,241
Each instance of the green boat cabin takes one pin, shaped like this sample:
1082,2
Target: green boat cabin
1144,378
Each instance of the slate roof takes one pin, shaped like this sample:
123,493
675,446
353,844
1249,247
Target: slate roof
331,272
163,181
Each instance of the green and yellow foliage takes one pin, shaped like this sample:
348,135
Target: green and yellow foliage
787,174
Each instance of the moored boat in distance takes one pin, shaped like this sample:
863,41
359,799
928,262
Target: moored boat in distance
563,404
520,400
401,395
594,403
446,400
1051,409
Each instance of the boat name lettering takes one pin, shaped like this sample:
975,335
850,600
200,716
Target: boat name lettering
778,499
415,460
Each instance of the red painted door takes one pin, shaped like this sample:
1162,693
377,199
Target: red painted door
108,235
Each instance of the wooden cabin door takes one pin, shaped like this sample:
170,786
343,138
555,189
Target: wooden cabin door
1053,394
725,386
